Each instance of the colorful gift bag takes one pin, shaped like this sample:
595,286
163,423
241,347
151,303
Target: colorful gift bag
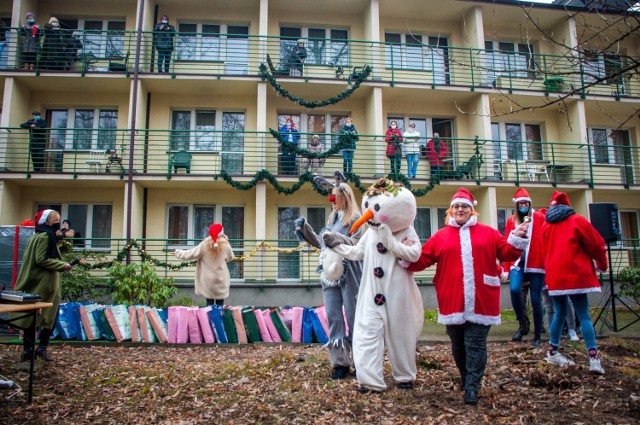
89,322
205,326
273,332
102,323
195,334
172,324
286,315
322,315
75,312
66,324
237,320
133,324
284,333
182,328
307,327
262,327
297,315
158,323
118,318
215,317
318,330
250,324
147,333
230,326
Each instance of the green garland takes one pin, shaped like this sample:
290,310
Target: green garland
305,153
357,79
266,175
400,178
143,255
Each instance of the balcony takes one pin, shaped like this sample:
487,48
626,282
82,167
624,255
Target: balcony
215,55
209,153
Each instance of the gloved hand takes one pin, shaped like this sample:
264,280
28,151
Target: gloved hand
299,223
504,276
330,239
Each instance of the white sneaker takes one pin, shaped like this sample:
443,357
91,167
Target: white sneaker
573,336
559,360
595,367
5,385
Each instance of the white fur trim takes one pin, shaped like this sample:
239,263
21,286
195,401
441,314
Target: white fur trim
461,318
517,242
533,270
44,217
574,291
521,199
464,201
468,279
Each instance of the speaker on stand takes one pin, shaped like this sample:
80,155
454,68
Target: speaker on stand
604,218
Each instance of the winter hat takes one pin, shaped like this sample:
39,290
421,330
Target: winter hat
560,198
54,19
214,231
26,16
521,196
463,196
42,216
35,113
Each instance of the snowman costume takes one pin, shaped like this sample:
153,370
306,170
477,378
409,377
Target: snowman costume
389,309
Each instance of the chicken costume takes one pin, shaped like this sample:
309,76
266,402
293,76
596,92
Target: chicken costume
389,309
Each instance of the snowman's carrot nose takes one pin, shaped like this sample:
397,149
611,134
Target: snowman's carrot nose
368,215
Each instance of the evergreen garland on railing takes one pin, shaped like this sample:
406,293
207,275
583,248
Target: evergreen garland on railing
292,147
266,175
357,79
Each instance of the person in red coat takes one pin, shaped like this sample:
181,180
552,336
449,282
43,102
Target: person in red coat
574,252
393,137
529,267
436,151
467,283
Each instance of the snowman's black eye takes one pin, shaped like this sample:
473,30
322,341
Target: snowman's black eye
376,207
366,205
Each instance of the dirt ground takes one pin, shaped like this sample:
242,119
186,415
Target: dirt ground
274,384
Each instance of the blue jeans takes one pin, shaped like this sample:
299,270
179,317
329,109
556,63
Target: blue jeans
347,161
396,163
469,348
412,164
536,282
581,305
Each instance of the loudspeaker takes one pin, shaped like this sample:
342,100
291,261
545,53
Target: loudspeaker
604,217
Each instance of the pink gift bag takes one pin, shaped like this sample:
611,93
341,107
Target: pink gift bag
133,324
322,315
89,322
182,328
262,327
195,335
156,322
296,324
273,332
172,324
287,317
146,332
205,325
240,330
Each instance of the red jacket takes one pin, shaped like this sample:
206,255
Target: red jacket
467,278
434,158
392,147
534,253
571,246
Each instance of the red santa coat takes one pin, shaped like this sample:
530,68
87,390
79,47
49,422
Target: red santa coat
534,252
467,279
571,246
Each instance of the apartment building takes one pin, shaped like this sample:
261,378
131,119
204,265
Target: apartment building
533,95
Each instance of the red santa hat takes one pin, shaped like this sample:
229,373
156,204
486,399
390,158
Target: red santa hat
463,196
521,196
42,216
560,198
214,231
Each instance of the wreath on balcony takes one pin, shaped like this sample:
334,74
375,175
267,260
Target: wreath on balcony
357,78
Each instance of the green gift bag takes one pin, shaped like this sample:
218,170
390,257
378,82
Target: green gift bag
251,325
230,326
284,333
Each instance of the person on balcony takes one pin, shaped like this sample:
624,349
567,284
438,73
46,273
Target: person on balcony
529,267
574,252
467,283
436,151
163,36
212,279
349,136
393,137
40,274
54,46
37,140
30,34
411,150
296,59
3,43
291,136
317,147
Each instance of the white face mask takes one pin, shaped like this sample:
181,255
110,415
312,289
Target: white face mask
393,126
164,21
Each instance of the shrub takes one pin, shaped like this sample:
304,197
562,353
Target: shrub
139,284
629,281
185,301
78,284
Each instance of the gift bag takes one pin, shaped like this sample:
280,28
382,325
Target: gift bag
89,322
158,323
286,315
229,326
273,332
182,327
250,325
322,315
195,334
66,323
297,315
103,325
237,320
172,324
318,330
307,326
262,327
205,326
215,317
284,333
147,333
133,324
118,319
81,335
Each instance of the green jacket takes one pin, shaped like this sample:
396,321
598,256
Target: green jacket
40,275
350,136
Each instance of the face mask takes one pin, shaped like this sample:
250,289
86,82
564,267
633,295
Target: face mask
56,226
523,210
31,21
393,126
36,118
348,124
288,125
164,21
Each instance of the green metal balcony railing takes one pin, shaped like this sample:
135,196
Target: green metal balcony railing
265,262
238,53
193,153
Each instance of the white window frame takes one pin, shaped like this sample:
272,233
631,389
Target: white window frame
200,47
498,62
101,46
611,152
504,143
409,58
328,138
71,124
193,240
87,235
328,48
193,130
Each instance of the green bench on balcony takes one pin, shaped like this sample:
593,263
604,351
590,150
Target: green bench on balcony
180,159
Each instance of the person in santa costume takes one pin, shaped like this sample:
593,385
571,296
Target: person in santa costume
529,267
40,274
574,252
467,282
212,279
389,309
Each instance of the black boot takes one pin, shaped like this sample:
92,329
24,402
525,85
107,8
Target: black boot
522,331
340,372
43,354
41,351
527,325
25,356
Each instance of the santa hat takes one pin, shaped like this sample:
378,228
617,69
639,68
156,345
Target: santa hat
560,198
521,196
463,196
214,231
42,216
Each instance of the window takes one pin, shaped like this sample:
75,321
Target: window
604,66
91,221
420,53
611,146
524,141
442,216
213,43
502,214
325,46
83,129
510,59
288,263
630,235
327,126
100,38
422,223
